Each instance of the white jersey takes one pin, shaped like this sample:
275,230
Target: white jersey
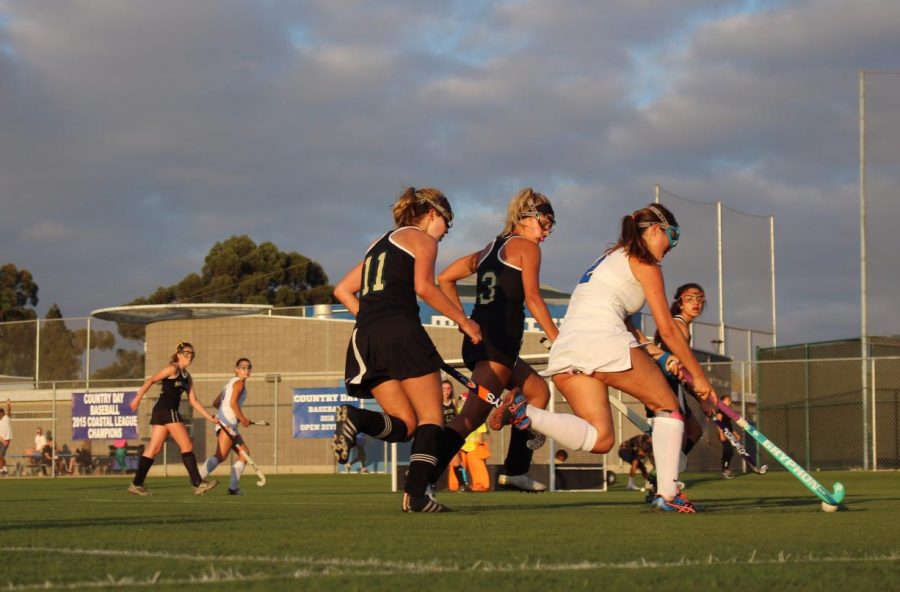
226,413
593,336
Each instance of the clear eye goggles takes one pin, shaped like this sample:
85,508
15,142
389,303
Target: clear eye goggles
544,215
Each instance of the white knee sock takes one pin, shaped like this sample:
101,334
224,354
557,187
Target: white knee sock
569,430
667,433
208,466
237,469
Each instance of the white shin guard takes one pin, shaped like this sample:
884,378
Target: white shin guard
237,469
569,430
667,434
208,466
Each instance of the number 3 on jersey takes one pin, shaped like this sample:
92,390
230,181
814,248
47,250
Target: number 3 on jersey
487,288
377,285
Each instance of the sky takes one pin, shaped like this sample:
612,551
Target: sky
134,135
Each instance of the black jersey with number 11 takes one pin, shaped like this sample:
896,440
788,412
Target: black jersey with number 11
388,282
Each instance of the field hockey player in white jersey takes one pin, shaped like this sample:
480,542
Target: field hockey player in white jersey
230,404
599,347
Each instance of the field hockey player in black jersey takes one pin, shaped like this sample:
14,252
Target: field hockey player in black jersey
165,420
508,279
390,356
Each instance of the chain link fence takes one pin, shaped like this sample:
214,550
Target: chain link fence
814,410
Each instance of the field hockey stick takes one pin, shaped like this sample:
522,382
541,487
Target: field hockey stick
832,498
739,448
260,477
484,394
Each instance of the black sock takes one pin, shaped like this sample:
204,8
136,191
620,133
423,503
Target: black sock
423,458
380,426
451,442
143,468
518,457
190,461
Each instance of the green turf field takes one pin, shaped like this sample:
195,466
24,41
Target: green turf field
346,532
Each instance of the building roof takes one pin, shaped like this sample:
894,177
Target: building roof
142,314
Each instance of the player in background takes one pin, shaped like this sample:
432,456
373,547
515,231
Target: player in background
727,448
599,347
165,420
230,412
450,406
390,356
633,451
687,305
507,280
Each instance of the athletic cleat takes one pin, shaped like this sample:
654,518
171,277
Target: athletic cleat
679,504
535,440
423,504
510,412
726,474
344,435
237,491
429,492
205,486
632,487
138,490
521,483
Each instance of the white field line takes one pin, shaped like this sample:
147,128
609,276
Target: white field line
312,566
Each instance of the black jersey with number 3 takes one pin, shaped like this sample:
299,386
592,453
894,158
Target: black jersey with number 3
500,294
388,282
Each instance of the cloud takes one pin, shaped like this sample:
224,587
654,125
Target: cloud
149,131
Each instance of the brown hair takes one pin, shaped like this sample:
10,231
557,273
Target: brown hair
414,203
635,225
178,349
524,204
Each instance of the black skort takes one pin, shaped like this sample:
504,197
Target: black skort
389,348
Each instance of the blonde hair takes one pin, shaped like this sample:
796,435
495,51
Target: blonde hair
414,203
523,205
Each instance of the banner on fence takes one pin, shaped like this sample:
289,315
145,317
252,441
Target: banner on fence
315,409
103,416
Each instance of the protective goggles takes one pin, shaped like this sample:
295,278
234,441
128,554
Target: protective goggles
544,214
673,233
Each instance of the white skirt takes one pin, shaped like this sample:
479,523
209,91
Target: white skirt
591,351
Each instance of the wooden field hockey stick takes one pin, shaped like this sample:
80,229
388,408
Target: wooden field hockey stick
236,441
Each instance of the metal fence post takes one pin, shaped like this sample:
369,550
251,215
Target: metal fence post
806,400
874,414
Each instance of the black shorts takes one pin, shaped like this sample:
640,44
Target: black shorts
499,343
680,396
391,348
628,455
163,416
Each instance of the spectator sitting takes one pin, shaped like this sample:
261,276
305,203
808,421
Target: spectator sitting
118,449
560,458
39,442
84,459
47,456
65,461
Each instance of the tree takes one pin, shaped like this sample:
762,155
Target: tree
62,348
17,291
18,296
238,271
129,364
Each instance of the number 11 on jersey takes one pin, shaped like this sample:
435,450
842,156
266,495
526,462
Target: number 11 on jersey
377,285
